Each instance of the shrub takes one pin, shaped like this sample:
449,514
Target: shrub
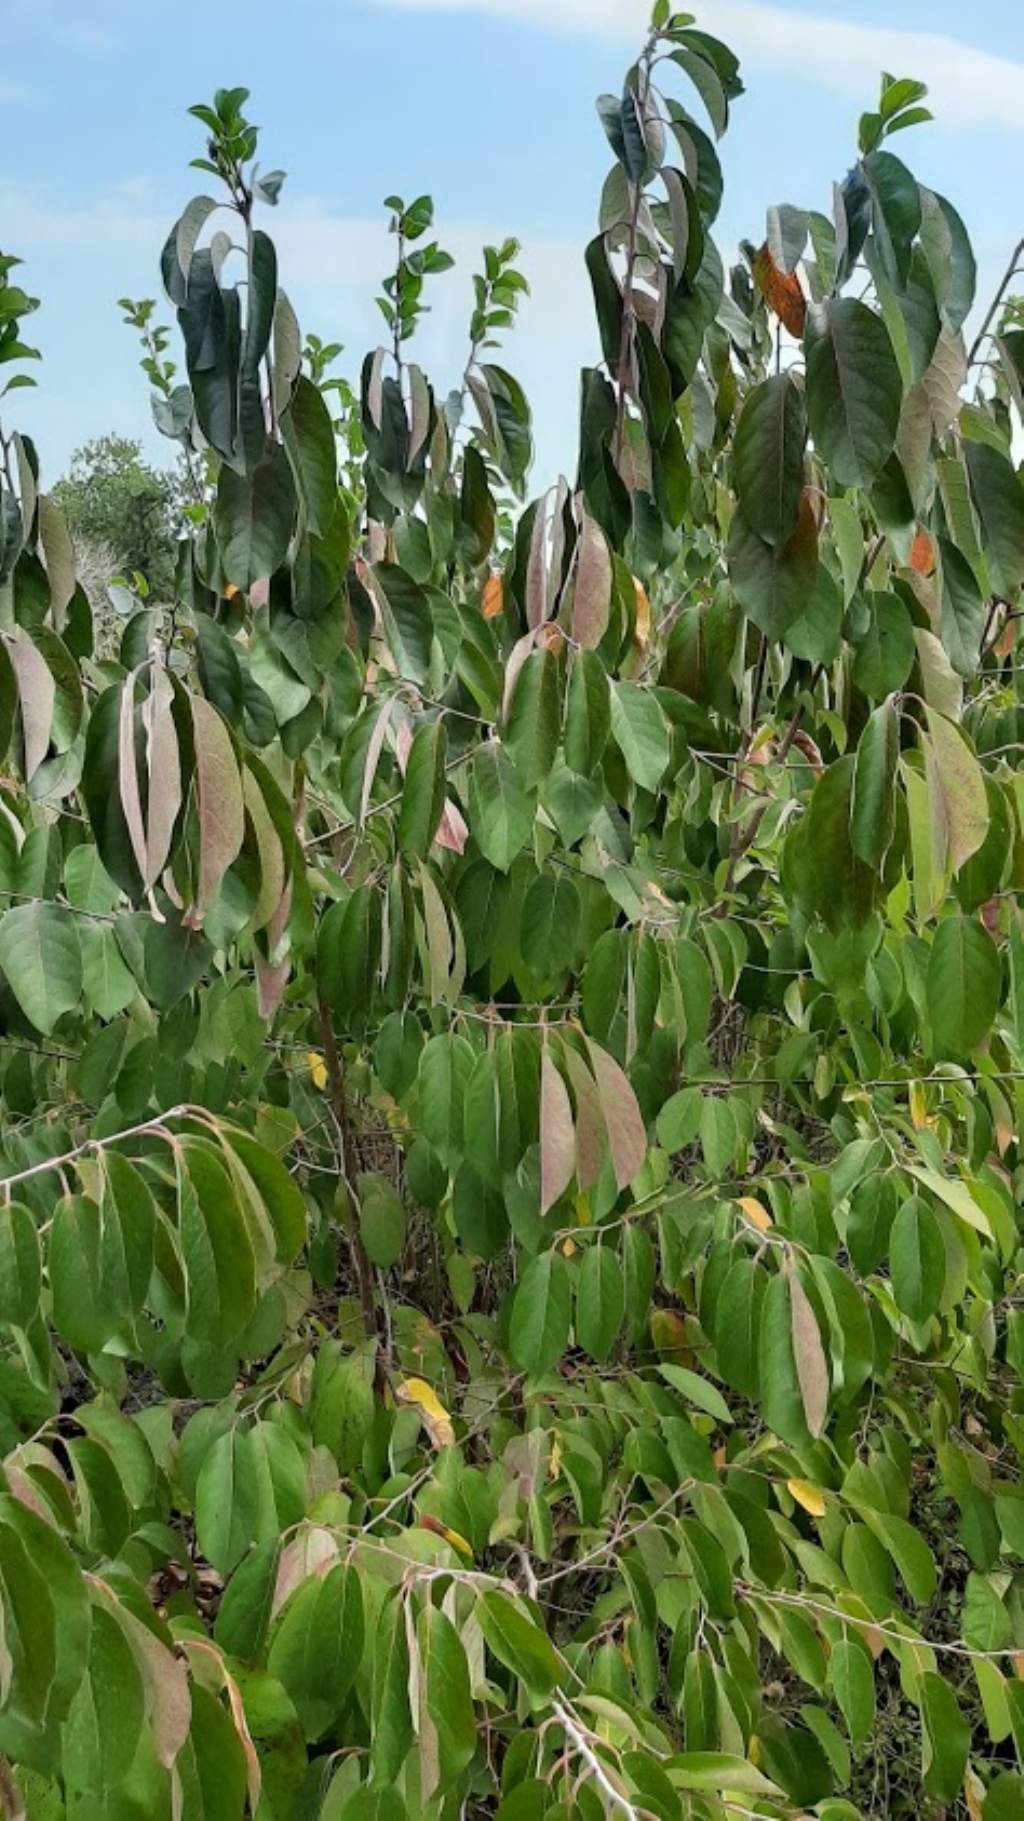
512,1040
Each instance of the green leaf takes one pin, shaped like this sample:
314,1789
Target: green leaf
309,439
549,930
962,610
999,502
641,733
20,1265
405,610
253,518
391,1720
917,1260
768,455
738,1325
587,715
698,1391
911,1554
854,390
774,587
519,1644
541,1313
317,1644
423,789
714,1772
779,1386
446,1064
381,1219
42,962
873,803
244,1611
600,1301
946,1738
964,986
501,814
531,734
447,1698
852,1682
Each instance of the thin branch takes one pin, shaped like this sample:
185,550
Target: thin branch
1012,268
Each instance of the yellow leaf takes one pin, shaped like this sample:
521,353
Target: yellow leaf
568,1248
974,1794
317,1069
918,1106
452,1537
668,1332
436,1420
756,1212
808,1496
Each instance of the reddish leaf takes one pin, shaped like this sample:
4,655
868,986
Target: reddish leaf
627,1138
809,1357
922,554
557,1137
593,591
219,792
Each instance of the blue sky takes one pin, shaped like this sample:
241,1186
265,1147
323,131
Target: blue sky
487,105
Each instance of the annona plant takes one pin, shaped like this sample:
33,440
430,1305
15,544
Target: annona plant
513,1038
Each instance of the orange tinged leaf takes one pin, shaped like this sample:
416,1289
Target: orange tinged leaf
493,597
781,293
922,554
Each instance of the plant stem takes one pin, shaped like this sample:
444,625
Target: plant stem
1013,267
347,1159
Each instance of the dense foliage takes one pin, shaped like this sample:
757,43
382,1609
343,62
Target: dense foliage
513,1039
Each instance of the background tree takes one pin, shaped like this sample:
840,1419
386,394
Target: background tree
116,503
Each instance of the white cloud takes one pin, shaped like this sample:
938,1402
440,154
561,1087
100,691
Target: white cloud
968,87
